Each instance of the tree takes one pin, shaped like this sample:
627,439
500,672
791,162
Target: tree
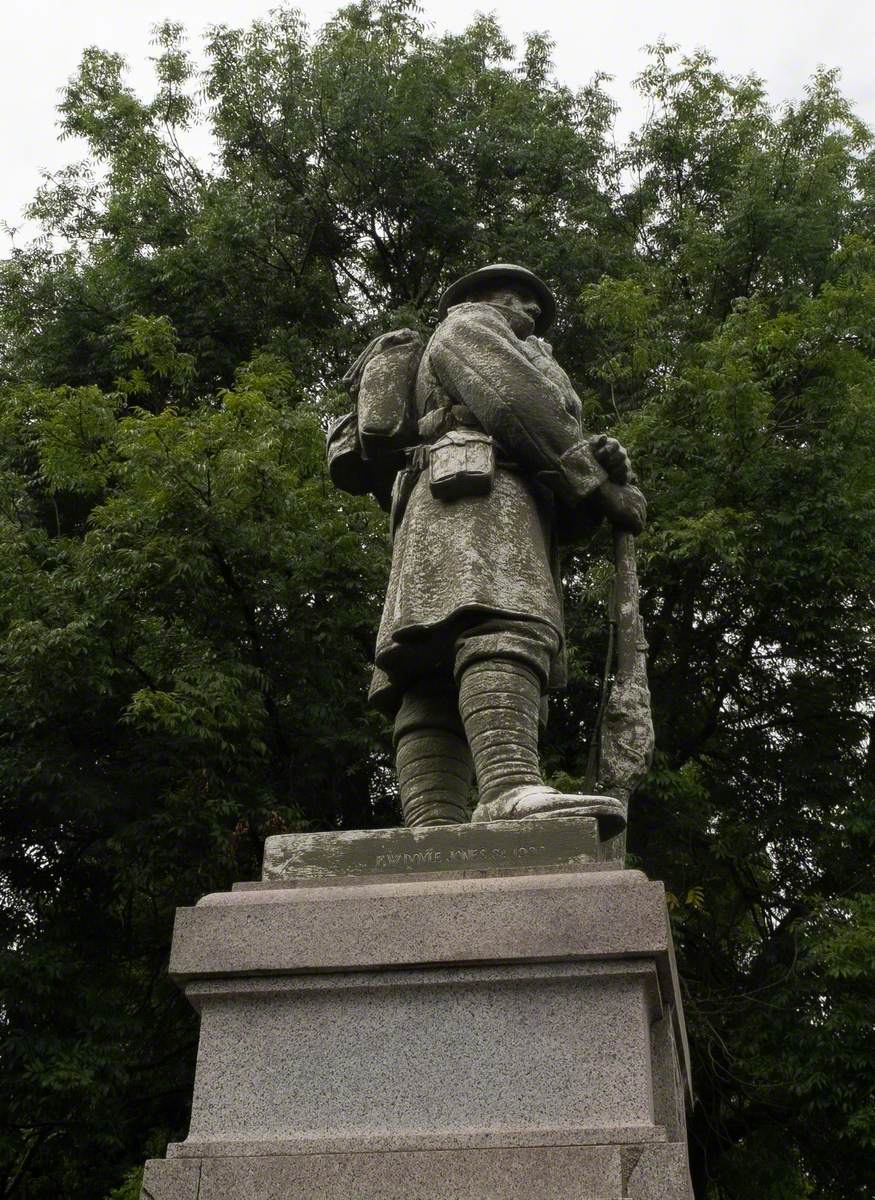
188,606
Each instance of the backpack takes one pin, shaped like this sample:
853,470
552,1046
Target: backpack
366,448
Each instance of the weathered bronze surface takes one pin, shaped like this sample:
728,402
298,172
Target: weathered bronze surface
498,474
499,847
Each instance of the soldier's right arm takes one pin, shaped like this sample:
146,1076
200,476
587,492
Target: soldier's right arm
480,362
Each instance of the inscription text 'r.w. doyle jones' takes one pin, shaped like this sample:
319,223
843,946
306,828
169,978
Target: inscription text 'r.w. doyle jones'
424,858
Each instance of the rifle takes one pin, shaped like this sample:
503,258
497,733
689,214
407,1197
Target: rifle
622,743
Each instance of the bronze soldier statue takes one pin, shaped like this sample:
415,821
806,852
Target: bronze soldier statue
497,474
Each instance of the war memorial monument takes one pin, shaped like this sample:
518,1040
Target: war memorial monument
483,1003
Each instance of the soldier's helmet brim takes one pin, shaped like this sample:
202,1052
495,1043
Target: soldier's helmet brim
497,273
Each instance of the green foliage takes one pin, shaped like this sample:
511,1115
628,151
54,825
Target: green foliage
130,1188
187,607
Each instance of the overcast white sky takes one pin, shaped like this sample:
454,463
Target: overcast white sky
782,40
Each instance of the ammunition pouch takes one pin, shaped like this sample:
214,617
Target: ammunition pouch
461,463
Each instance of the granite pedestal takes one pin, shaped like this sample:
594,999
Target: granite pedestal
475,1011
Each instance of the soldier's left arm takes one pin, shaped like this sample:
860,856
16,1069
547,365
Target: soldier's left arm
617,498
481,363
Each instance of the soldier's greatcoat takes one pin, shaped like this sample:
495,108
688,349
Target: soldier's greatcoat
494,557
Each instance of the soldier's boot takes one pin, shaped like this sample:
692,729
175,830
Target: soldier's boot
499,702
432,759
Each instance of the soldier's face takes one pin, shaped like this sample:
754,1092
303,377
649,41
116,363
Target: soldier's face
521,307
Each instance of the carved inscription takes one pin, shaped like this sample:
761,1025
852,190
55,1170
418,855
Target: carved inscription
460,857
494,847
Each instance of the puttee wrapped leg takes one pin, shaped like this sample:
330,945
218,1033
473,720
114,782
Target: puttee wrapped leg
432,759
499,701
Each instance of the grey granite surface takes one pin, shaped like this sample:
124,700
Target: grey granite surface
600,1172
458,1058
379,1036
435,921
171,1180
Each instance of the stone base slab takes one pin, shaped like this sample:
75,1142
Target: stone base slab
412,923
485,1032
440,1058
599,1172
